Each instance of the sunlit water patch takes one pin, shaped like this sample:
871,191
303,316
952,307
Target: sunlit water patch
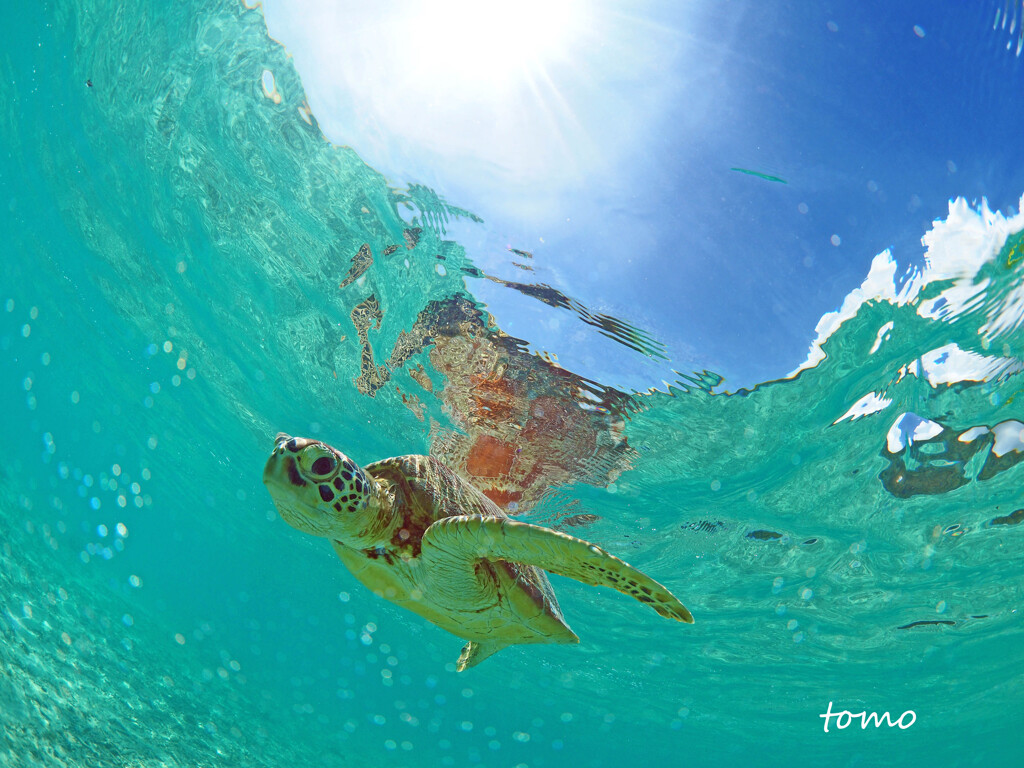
191,267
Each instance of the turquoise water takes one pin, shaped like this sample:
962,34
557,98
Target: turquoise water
178,285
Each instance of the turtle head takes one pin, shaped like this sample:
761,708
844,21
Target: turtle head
320,490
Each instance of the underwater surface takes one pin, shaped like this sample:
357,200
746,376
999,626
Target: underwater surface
189,267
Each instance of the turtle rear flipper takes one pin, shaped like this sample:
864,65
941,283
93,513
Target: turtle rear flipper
456,544
474,652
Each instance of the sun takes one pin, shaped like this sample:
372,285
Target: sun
490,46
492,96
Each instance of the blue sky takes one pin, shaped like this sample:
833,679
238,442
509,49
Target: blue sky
602,136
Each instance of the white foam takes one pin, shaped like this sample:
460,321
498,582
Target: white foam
972,434
872,402
956,249
880,284
949,364
1009,437
883,335
910,428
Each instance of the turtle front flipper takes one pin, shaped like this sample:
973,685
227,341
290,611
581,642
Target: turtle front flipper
466,539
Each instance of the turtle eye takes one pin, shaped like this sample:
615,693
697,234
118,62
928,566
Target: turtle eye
323,466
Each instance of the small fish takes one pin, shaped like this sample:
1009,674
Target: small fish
759,175
913,624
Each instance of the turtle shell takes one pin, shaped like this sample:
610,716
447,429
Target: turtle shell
424,491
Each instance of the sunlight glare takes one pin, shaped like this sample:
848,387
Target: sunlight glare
516,101
495,45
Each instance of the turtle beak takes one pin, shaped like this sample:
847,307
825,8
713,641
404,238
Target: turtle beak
282,465
282,460
278,456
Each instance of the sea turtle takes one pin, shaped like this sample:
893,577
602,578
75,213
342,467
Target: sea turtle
417,534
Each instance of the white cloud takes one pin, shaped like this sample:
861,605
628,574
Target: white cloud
957,249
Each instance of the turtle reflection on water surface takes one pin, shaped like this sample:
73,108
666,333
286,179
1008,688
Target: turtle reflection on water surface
420,536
